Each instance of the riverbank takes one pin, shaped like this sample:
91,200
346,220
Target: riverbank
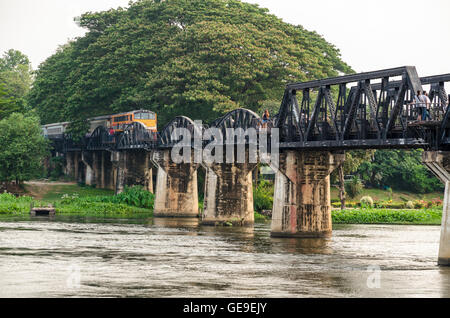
432,216
69,198
73,199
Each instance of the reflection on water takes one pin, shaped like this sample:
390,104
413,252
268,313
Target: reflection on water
165,257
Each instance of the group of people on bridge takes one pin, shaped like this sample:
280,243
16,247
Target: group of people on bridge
423,104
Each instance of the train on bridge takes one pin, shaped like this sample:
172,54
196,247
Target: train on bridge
115,123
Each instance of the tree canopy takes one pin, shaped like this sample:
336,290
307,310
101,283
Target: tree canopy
23,147
199,58
399,169
15,82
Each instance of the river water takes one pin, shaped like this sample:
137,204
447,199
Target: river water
77,257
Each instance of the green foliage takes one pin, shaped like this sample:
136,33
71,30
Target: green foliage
419,204
10,204
260,218
13,59
132,200
57,168
22,147
354,187
198,58
135,196
15,82
399,169
93,208
263,196
366,202
132,196
382,216
390,205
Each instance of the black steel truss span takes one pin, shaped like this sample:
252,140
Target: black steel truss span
100,139
136,136
357,111
367,110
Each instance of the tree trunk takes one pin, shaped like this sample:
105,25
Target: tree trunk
341,186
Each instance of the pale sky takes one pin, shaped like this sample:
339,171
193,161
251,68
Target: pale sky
371,34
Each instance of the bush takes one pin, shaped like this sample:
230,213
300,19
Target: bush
419,204
390,205
410,205
9,203
366,202
437,202
378,216
133,196
263,196
56,168
354,187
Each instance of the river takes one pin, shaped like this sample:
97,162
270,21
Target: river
78,257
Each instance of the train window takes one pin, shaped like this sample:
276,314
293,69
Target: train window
122,118
145,116
54,131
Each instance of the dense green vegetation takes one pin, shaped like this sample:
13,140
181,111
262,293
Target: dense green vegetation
385,216
400,170
263,196
15,83
198,58
22,148
133,201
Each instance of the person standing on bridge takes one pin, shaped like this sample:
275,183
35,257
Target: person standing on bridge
419,102
426,109
265,118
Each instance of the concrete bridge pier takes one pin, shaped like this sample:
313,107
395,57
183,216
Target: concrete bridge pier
69,165
176,187
119,162
302,205
75,166
88,158
228,194
439,163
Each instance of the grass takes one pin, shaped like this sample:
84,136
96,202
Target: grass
387,216
379,195
261,218
58,191
83,201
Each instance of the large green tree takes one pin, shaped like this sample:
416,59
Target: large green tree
22,147
199,58
15,82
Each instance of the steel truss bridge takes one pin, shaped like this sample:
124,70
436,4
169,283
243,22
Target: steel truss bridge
357,111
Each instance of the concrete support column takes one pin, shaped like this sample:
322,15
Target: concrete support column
69,168
149,173
176,187
76,162
228,194
302,205
102,170
88,159
439,163
119,161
